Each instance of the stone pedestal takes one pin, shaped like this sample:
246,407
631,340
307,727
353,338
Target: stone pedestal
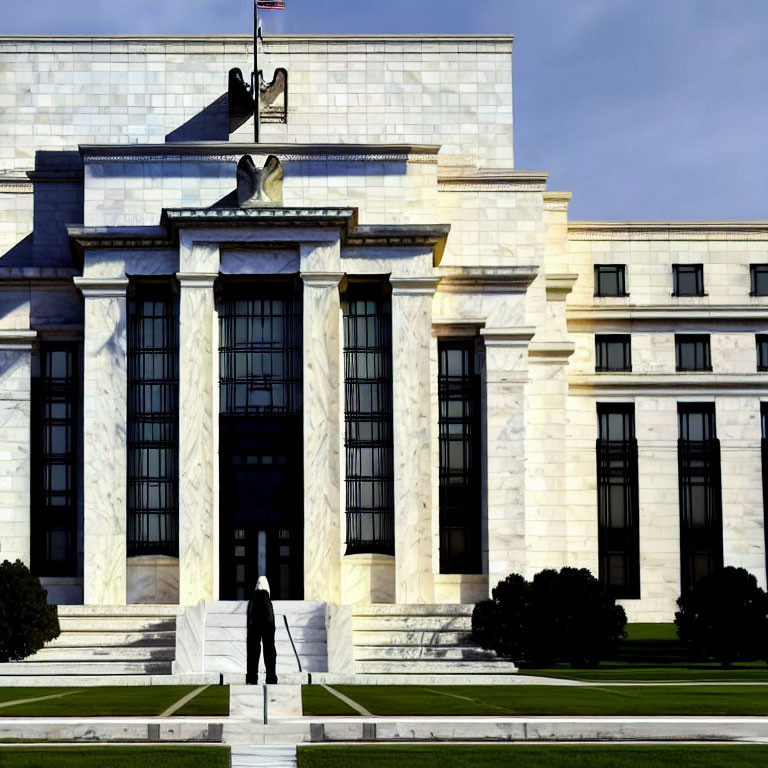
104,440
411,339
506,361
322,438
15,414
197,413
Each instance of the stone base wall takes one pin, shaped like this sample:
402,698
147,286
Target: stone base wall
152,579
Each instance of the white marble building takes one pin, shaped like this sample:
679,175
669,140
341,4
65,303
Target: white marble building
194,391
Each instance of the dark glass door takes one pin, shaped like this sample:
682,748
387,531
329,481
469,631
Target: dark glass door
260,439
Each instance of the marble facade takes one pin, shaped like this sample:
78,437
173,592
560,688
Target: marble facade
390,173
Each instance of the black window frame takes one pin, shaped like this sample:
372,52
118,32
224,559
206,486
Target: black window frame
459,424
699,474
757,271
764,462
368,418
620,272
602,355
697,270
55,416
618,544
702,355
152,498
761,348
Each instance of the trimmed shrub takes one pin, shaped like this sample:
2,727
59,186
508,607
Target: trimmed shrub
561,615
724,616
27,622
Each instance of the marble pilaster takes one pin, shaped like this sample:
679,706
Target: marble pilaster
506,362
322,438
104,440
411,341
197,390
15,413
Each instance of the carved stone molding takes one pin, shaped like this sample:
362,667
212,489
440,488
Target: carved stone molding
196,279
560,285
413,285
12,340
486,279
668,230
102,287
508,337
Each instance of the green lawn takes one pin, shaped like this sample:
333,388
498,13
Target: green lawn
316,700
115,757
654,652
524,756
506,700
114,701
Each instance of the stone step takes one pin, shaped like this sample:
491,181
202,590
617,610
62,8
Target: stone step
42,668
424,667
264,756
412,623
102,653
117,624
248,701
166,611
394,609
79,639
407,638
407,653
37,681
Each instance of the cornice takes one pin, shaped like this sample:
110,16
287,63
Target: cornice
560,285
413,286
668,230
553,352
216,151
322,279
15,185
461,327
248,38
102,288
486,279
508,337
17,340
177,218
557,201
672,313
196,279
674,383
491,180
66,176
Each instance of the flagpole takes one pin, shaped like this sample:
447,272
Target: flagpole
256,87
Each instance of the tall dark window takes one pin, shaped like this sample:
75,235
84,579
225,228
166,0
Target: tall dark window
701,520
761,342
617,500
613,352
758,274
54,481
459,395
764,451
153,420
688,280
692,352
368,420
610,280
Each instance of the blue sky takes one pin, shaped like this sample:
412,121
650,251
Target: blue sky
645,109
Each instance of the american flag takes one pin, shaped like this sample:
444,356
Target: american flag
270,5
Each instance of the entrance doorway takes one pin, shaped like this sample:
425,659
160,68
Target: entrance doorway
260,440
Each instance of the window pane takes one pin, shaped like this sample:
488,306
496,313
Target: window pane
609,280
759,279
688,279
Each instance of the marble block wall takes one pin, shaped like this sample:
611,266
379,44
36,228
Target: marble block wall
153,580
15,413
411,345
368,578
104,441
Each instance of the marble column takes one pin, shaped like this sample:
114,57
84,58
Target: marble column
506,363
15,413
105,388
322,436
197,389
411,340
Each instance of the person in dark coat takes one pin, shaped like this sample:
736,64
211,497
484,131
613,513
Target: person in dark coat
261,631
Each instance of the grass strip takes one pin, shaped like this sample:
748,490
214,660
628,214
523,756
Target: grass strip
316,700
608,673
115,757
524,756
213,701
119,701
461,700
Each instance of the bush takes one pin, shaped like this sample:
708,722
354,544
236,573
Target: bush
27,622
725,616
558,616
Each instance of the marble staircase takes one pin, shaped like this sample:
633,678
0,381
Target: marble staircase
102,642
405,641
